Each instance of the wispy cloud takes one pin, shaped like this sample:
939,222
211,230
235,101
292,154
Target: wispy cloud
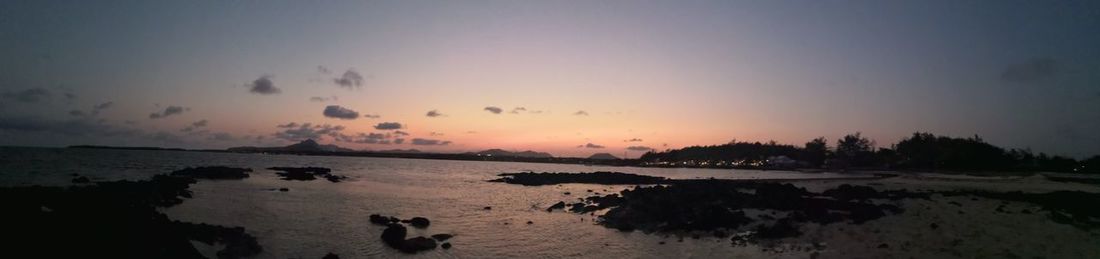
429,142
434,113
590,145
168,111
581,113
639,148
349,79
494,109
1032,70
388,126
31,95
633,140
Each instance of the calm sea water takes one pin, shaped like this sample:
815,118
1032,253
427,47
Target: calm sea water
318,217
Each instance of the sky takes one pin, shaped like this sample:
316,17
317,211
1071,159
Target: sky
567,77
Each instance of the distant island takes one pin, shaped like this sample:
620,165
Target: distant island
920,152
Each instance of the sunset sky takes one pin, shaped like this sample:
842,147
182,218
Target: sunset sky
567,77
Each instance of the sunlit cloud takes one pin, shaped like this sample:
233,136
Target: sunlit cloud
371,116
338,112
581,113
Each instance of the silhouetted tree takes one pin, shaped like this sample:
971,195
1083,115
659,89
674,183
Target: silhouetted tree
1091,165
855,150
815,151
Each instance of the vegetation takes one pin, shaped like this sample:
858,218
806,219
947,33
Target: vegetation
921,151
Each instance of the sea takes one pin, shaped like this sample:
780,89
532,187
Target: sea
318,217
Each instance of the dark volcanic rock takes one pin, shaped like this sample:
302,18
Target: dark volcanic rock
446,246
442,237
419,222
111,220
557,206
331,256
418,244
213,172
382,220
535,179
307,174
394,235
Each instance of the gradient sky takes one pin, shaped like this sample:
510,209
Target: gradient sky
1021,74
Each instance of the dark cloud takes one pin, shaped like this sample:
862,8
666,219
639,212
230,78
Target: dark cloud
387,126
434,113
350,79
581,113
221,136
169,111
518,110
263,85
335,111
195,125
371,116
494,109
322,99
323,70
633,140
74,127
400,133
77,113
365,138
31,95
398,141
100,107
1032,70
590,145
429,142
298,132
639,148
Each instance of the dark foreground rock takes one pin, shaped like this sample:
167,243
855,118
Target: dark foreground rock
110,220
1078,209
535,179
213,172
394,236
383,220
307,174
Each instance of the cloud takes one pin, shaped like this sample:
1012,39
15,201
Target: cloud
429,142
221,136
371,116
590,145
195,125
350,79
387,126
581,113
639,148
169,111
400,133
77,113
31,95
335,111
398,141
1032,70
517,110
298,132
365,138
323,70
102,106
494,109
264,86
322,99
74,127
435,133
434,113
633,140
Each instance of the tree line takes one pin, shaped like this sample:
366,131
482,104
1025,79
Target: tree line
920,151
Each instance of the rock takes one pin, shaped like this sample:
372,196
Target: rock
567,193
419,222
331,256
933,226
442,237
446,245
394,235
535,179
883,245
418,244
529,222
213,172
284,189
81,179
557,206
487,208
307,173
382,220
